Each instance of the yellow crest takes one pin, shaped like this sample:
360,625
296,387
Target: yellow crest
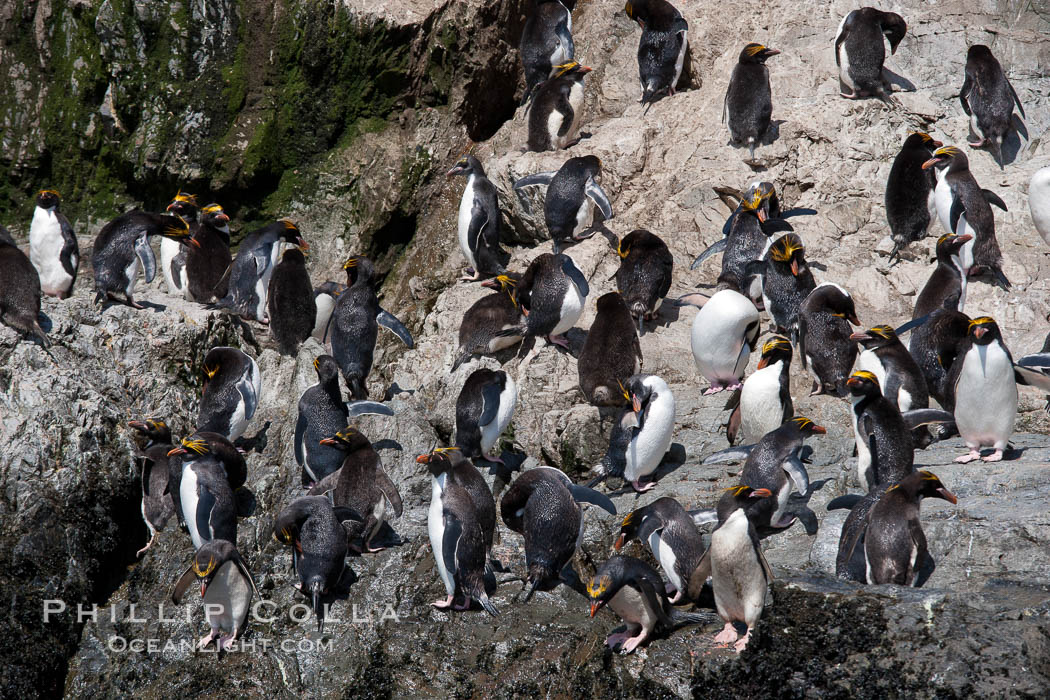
754,49
180,229
212,209
54,192
946,237
446,450
185,198
785,247
623,390
947,151
883,331
209,567
981,321
801,421
775,343
628,519
597,586
199,446
350,262
737,490
289,225
620,251
211,372
317,363
865,374
565,68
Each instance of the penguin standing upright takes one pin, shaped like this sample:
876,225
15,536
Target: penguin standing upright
1039,201
860,53
157,504
543,505
898,375
459,549
226,590
290,302
216,451
737,568
483,411
206,266
642,434
765,399
122,246
824,344
572,193
557,108
909,191
947,282
355,325
988,99
257,256
479,330
361,484
724,334
935,346
662,47
172,255
644,276
322,413
894,544
479,220
985,391
775,464
311,527
448,465
876,418
611,354
963,206
20,291
552,293
786,282
748,101
53,248
752,224
231,393
209,509
672,536
325,297
546,42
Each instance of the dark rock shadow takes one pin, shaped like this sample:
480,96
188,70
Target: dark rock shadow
246,502
394,390
387,444
925,570
45,322
385,537
256,443
1012,145
772,132
891,78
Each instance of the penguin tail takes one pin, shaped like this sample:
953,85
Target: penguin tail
357,387
999,151
315,593
751,147
680,619
483,598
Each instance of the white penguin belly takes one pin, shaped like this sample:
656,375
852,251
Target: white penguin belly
665,555
942,198
571,310
188,494
466,210
647,449
584,216
227,599
436,529
717,336
507,399
324,305
986,397
844,58
870,362
45,251
1039,202
576,102
760,407
633,609
554,120
863,453
736,574
168,250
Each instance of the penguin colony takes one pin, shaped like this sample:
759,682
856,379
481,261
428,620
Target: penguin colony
961,362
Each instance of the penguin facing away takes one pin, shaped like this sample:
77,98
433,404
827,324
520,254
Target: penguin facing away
611,354
20,293
157,505
988,99
824,344
860,53
557,109
546,42
484,409
672,537
748,101
572,193
661,48
723,335
644,275
909,192
947,281
290,302
226,589
206,267
231,392
53,247
479,221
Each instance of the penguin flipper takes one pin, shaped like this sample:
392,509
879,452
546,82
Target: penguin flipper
389,490
703,516
598,196
765,564
390,322
994,199
922,553
925,416
1017,100
649,526
450,542
802,328
957,210
575,276
182,585
794,468
536,179
732,454
733,427
146,257
489,404
367,408
845,502
964,92
716,247
243,568
699,576
912,324
300,432
248,395
261,262
583,494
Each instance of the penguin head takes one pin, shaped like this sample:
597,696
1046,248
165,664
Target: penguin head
979,52
863,383
504,283
776,349
467,165
805,427
194,445
348,439
789,251
836,301
629,528
917,139
327,368
756,53
743,495
183,204
947,156
294,256
48,199
179,230
761,201
639,392
441,460
290,234
214,361
949,245
572,68
984,330
213,215
894,28
154,429
286,529
358,268
210,558
924,484
875,337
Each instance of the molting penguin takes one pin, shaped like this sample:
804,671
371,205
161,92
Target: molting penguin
786,282
572,193
723,336
1039,202
231,392
53,248
635,592
448,465
479,220
764,402
962,207
748,101
479,330
546,42
860,53
325,297
894,543
775,459
557,109
988,99
611,353
552,293
896,371
249,278
909,191
290,302
355,325
173,255
226,590
483,411
642,434
311,526
738,570
985,391
157,504
644,276
322,413
122,246
935,346
361,483
20,291
543,505
206,267
672,536
824,344
662,47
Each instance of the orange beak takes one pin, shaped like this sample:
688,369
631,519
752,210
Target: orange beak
761,216
819,430
979,332
947,495
636,405
852,381
329,442
763,363
930,163
618,544
761,493
794,267
594,607
422,459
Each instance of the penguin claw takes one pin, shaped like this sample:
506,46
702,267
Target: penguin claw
994,457
742,642
637,484
632,643
713,390
206,640
443,604
728,635
967,458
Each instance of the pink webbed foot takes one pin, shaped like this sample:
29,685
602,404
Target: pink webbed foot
465,605
728,634
558,340
742,642
977,144
967,458
735,386
443,604
713,389
677,597
613,639
148,545
490,458
637,484
470,275
994,457
206,639
631,644
226,642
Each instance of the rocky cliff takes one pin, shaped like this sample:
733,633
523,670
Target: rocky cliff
345,116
